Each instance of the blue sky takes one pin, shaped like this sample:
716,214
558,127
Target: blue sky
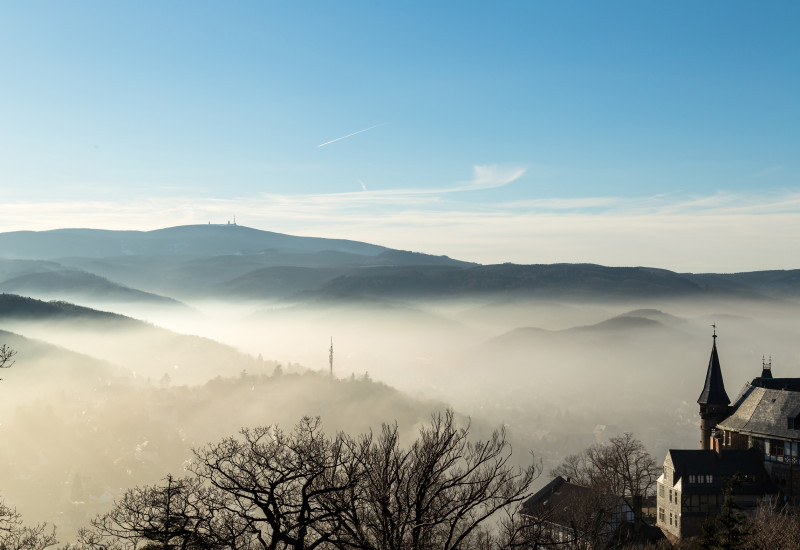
623,133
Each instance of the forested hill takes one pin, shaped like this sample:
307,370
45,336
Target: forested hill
236,262
583,281
194,240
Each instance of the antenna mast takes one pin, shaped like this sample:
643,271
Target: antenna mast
330,357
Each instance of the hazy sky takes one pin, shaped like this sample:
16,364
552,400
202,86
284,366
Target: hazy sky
622,133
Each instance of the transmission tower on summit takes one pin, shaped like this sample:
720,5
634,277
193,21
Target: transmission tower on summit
330,357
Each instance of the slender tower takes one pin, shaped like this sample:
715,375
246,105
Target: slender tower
330,357
713,401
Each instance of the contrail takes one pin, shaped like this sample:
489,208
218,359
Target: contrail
350,135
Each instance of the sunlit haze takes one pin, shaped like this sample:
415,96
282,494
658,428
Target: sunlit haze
348,237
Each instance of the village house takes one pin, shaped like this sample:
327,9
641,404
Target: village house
570,516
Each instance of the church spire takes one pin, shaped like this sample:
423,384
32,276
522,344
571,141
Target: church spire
714,389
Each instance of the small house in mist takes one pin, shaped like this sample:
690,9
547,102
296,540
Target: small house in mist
568,515
756,437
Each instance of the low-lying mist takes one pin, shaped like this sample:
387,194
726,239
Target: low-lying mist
94,406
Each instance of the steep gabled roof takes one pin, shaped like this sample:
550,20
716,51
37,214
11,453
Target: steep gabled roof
722,466
764,411
560,500
714,389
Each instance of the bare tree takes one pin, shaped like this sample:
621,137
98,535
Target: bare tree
774,527
15,535
182,514
622,467
276,482
436,494
6,357
271,490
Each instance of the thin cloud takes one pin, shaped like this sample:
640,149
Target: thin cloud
484,177
672,231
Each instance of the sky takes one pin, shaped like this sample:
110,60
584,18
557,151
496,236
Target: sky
664,134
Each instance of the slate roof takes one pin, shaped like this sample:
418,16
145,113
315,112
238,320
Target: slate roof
722,466
714,388
764,411
788,384
556,499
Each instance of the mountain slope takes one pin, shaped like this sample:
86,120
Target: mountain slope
584,280
70,283
188,240
135,345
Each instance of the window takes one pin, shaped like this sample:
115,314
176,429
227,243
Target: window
692,478
661,491
670,518
670,496
661,515
709,478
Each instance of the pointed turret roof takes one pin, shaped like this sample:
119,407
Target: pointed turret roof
714,389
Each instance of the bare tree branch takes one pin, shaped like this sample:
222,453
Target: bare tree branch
6,357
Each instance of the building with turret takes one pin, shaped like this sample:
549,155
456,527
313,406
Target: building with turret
756,438
713,400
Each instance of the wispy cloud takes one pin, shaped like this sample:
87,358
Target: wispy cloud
484,177
718,232
353,134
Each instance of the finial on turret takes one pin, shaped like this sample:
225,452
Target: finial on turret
766,367
715,330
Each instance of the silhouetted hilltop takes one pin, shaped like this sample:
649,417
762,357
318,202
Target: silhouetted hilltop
584,280
196,260
223,261
773,282
75,283
130,343
279,281
21,307
186,240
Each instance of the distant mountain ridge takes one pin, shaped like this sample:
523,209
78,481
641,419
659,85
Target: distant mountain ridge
79,284
188,240
236,262
203,261
584,281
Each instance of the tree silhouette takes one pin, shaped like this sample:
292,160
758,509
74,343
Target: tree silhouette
6,357
15,535
438,493
268,489
277,481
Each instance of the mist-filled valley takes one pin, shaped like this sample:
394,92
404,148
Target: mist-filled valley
133,348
